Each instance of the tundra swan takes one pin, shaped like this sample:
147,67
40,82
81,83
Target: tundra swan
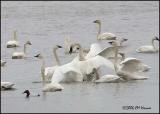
14,42
49,70
103,36
149,48
28,94
127,70
21,55
130,60
3,63
6,85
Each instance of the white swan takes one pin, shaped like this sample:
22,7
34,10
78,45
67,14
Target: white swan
3,63
126,69
149,48
138,63
49,70
104,36
14,42
21,55
6,85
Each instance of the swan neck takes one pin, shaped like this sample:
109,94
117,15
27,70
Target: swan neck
43,70
153,43
81,55
24,50
99,29
56,56
14,35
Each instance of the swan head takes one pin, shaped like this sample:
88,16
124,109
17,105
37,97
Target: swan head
28,42
156,38
97,21
124,39
74,48
39,56
114,43
27,93
57,47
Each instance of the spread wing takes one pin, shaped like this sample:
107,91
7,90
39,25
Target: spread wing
133,65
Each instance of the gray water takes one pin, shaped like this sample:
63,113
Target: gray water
45,24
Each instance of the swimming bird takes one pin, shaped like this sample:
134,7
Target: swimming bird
28,94
14,42
6,85
104,36
21,55
149,48
3,63
127,70
138,63
50,70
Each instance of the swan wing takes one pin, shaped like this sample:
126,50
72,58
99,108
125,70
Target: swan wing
108,52
97,62
133,65
94,50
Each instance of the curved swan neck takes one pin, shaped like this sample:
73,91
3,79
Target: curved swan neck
153,43
15,35
56,56
99,29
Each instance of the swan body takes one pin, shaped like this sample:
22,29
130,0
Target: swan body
13,43
52,87
149,48
108,79
3,63
21,55
106,35
6,85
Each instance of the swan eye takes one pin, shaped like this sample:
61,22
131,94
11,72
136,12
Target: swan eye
77,48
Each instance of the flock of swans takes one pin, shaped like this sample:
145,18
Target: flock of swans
88,62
